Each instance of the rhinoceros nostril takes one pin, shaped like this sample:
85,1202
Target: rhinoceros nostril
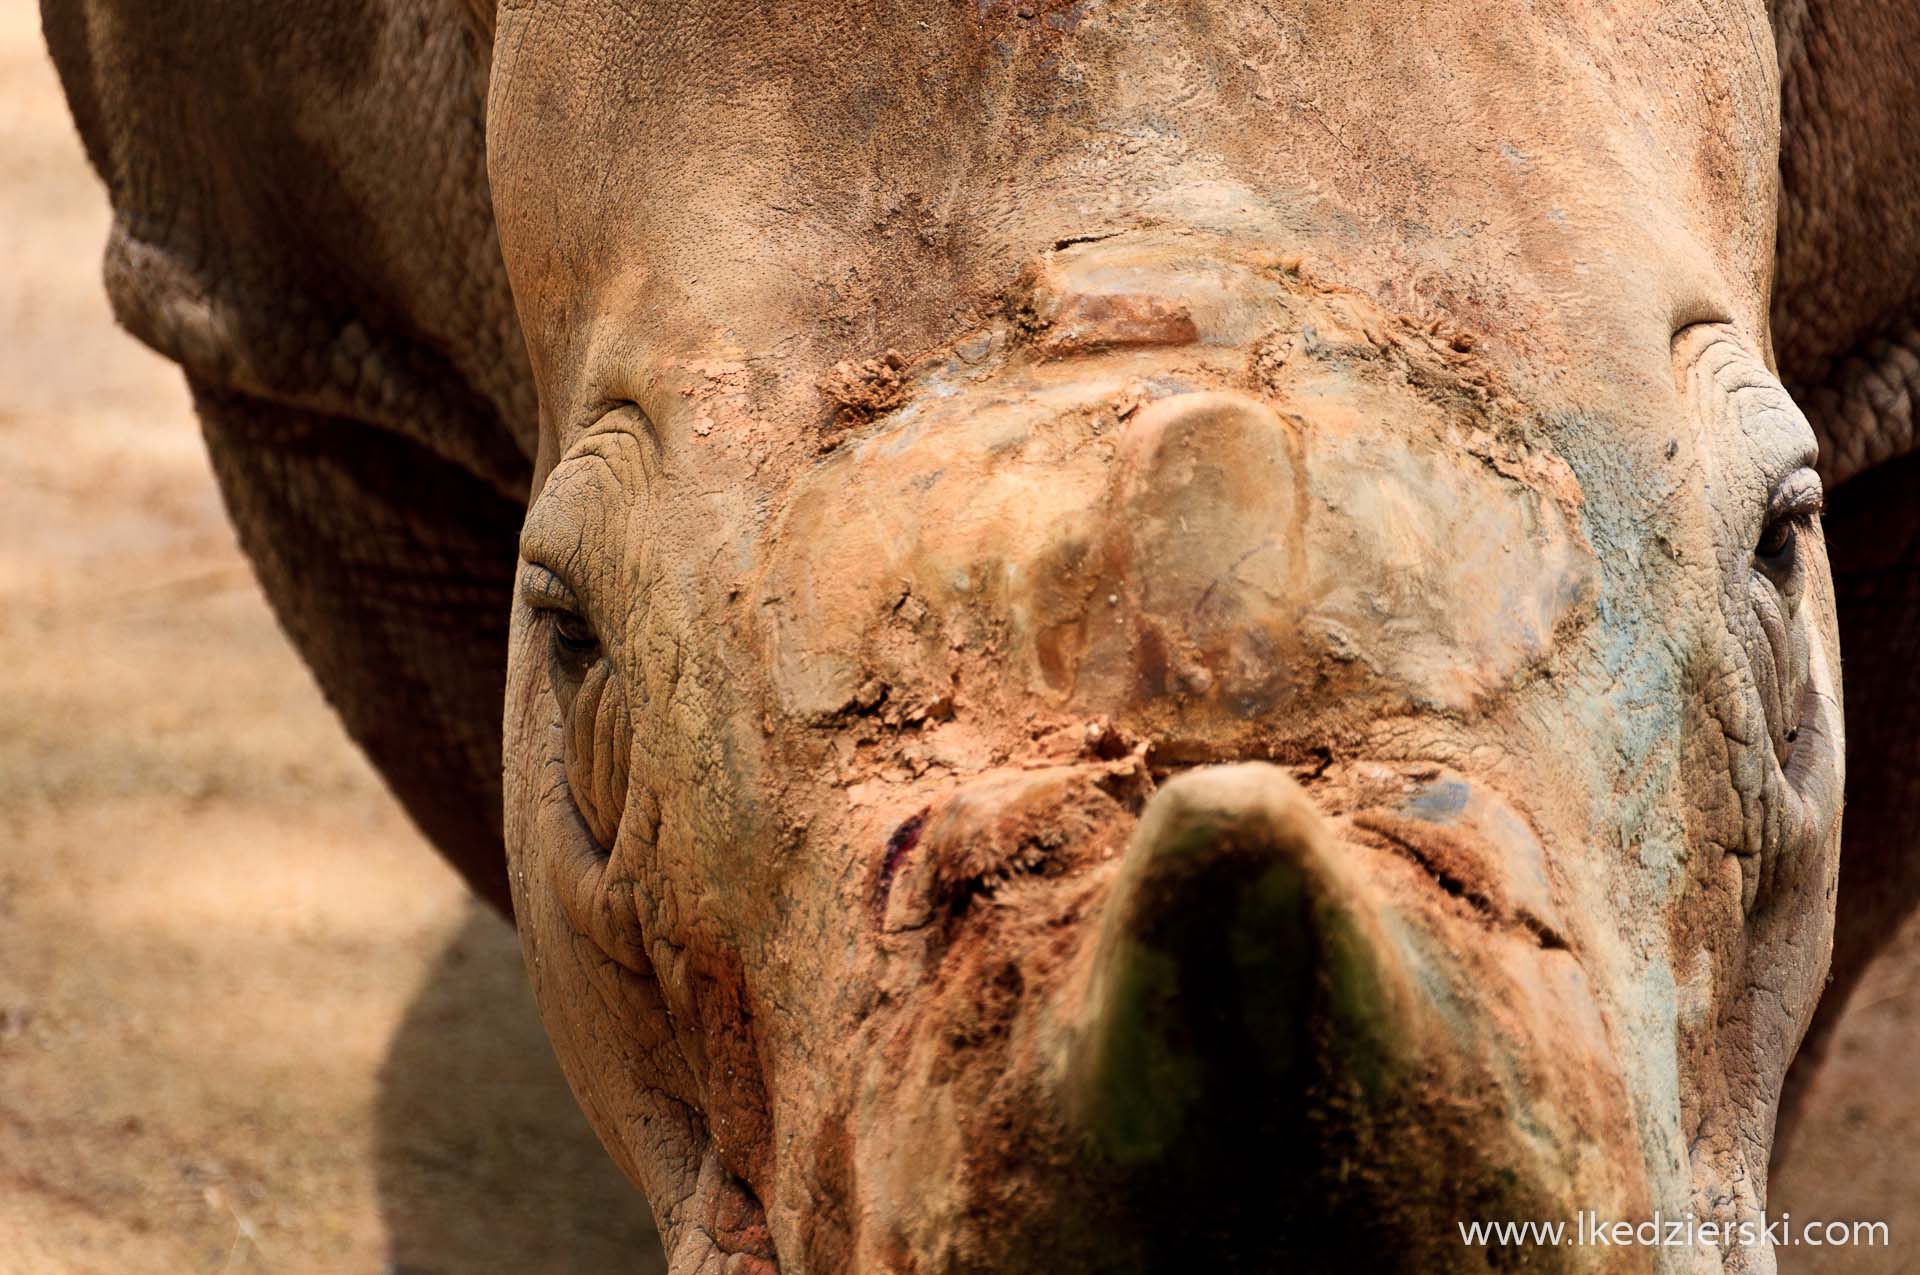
1004,834
900,843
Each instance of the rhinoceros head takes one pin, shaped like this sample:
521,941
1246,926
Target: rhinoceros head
1160,636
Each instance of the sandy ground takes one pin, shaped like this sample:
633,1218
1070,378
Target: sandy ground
248,1022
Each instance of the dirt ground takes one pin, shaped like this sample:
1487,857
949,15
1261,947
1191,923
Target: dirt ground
248,1022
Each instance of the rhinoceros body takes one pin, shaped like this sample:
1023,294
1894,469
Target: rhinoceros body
1131,636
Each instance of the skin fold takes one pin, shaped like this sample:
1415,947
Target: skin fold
1135,635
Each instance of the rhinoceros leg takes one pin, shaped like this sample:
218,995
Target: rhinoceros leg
342,314
392,571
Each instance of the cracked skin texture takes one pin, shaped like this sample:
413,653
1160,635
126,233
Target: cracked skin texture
1142,633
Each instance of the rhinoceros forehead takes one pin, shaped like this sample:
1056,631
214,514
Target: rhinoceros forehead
708,172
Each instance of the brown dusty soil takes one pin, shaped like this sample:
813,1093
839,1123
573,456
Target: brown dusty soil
248,1022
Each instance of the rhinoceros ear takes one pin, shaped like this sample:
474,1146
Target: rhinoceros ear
302,222
1846,301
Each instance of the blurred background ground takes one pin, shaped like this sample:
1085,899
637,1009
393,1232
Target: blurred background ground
248,1022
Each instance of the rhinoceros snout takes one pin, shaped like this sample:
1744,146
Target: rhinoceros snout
1274,1059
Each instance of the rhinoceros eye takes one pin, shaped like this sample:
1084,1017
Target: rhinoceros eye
573,639
1776,541
571,642
1794,505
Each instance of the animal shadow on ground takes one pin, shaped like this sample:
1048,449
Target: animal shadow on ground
484,1163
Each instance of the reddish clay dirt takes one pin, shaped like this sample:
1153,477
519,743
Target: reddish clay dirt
248,1022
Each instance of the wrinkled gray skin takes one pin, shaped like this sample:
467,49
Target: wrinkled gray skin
1325,601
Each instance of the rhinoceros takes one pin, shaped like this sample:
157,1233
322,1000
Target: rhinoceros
1082,634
